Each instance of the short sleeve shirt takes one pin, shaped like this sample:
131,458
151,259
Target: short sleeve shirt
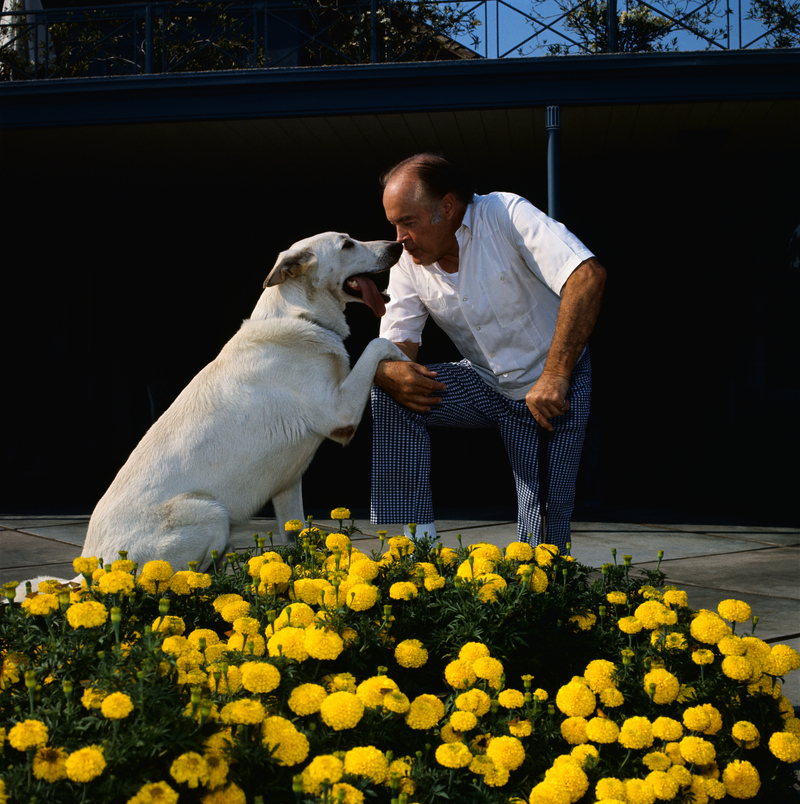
500,308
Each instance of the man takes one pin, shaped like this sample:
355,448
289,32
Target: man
519,296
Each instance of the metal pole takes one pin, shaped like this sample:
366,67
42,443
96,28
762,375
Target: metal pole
148,39
611,26
374,33
553,125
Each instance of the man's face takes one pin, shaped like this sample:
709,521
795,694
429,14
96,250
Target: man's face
423,227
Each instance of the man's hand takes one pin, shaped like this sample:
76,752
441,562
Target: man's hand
548,398
409,383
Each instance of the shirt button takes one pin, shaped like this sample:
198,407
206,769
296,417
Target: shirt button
491,354
502,279
478,328
465,298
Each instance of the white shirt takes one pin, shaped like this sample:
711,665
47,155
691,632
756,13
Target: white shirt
500,308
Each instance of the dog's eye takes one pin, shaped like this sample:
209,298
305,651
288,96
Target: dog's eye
348,244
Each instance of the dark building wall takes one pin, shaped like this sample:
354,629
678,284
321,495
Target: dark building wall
135,264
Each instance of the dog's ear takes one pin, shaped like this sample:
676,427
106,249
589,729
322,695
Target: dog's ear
290,263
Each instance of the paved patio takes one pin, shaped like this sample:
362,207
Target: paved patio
760,565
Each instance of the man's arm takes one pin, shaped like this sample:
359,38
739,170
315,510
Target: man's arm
409,383
580,306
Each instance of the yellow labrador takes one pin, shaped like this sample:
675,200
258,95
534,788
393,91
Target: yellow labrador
247,426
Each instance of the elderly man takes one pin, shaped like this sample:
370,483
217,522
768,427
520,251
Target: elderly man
519,295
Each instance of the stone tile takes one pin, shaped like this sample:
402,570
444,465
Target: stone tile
594,547
22,552
68,530
772,572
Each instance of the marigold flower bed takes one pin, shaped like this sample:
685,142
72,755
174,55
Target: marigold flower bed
317,673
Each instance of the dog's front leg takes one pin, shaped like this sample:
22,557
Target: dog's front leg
353,393
288,504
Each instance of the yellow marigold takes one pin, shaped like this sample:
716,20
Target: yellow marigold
656,761
639,791
248,644
155,793
40,604
745,734
85,764
697,750
338,541
472,651
666,686
322,643
85,565
732,645
289,643
511,699
463,721
545,553
653,614
296,615
611,697
234,609
709,628
243,712
364,569
519,551
367,761
782,660
323,769
668,729
702,656
403,590
491,585
88,614
453,755
342,710
116,706
585,621
287,745
475,701
617,598
785,746
246,625
489,669
50,764
230,794
410,653
362,596
396,702
599,674
736,611
191,769
739,668
169,624
157,571
602,730
27,735
568,777
549,792
573,730
610,788
520,727
575,699
507,752
293,526
681,774
306,699
425,712
636,732
629,625
229,681
583,753
340,513
223,600
675,597
115,583
275,573
696,718
400,546
741,779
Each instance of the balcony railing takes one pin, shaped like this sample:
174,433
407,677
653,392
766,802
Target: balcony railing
147,38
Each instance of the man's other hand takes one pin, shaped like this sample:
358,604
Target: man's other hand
410,384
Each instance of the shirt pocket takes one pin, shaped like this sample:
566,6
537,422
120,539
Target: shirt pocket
509,302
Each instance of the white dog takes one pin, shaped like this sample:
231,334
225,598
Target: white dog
247,426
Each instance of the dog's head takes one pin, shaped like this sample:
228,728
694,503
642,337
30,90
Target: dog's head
339,264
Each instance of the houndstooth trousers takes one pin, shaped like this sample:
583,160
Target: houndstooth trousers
401,461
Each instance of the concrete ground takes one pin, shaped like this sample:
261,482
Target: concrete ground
760,565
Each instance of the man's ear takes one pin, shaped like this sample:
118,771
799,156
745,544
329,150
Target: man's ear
290,264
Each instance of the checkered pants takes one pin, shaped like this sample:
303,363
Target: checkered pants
401,460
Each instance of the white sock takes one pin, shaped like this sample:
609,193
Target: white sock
423,528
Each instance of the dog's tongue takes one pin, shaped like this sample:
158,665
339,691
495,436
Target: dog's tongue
371,295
